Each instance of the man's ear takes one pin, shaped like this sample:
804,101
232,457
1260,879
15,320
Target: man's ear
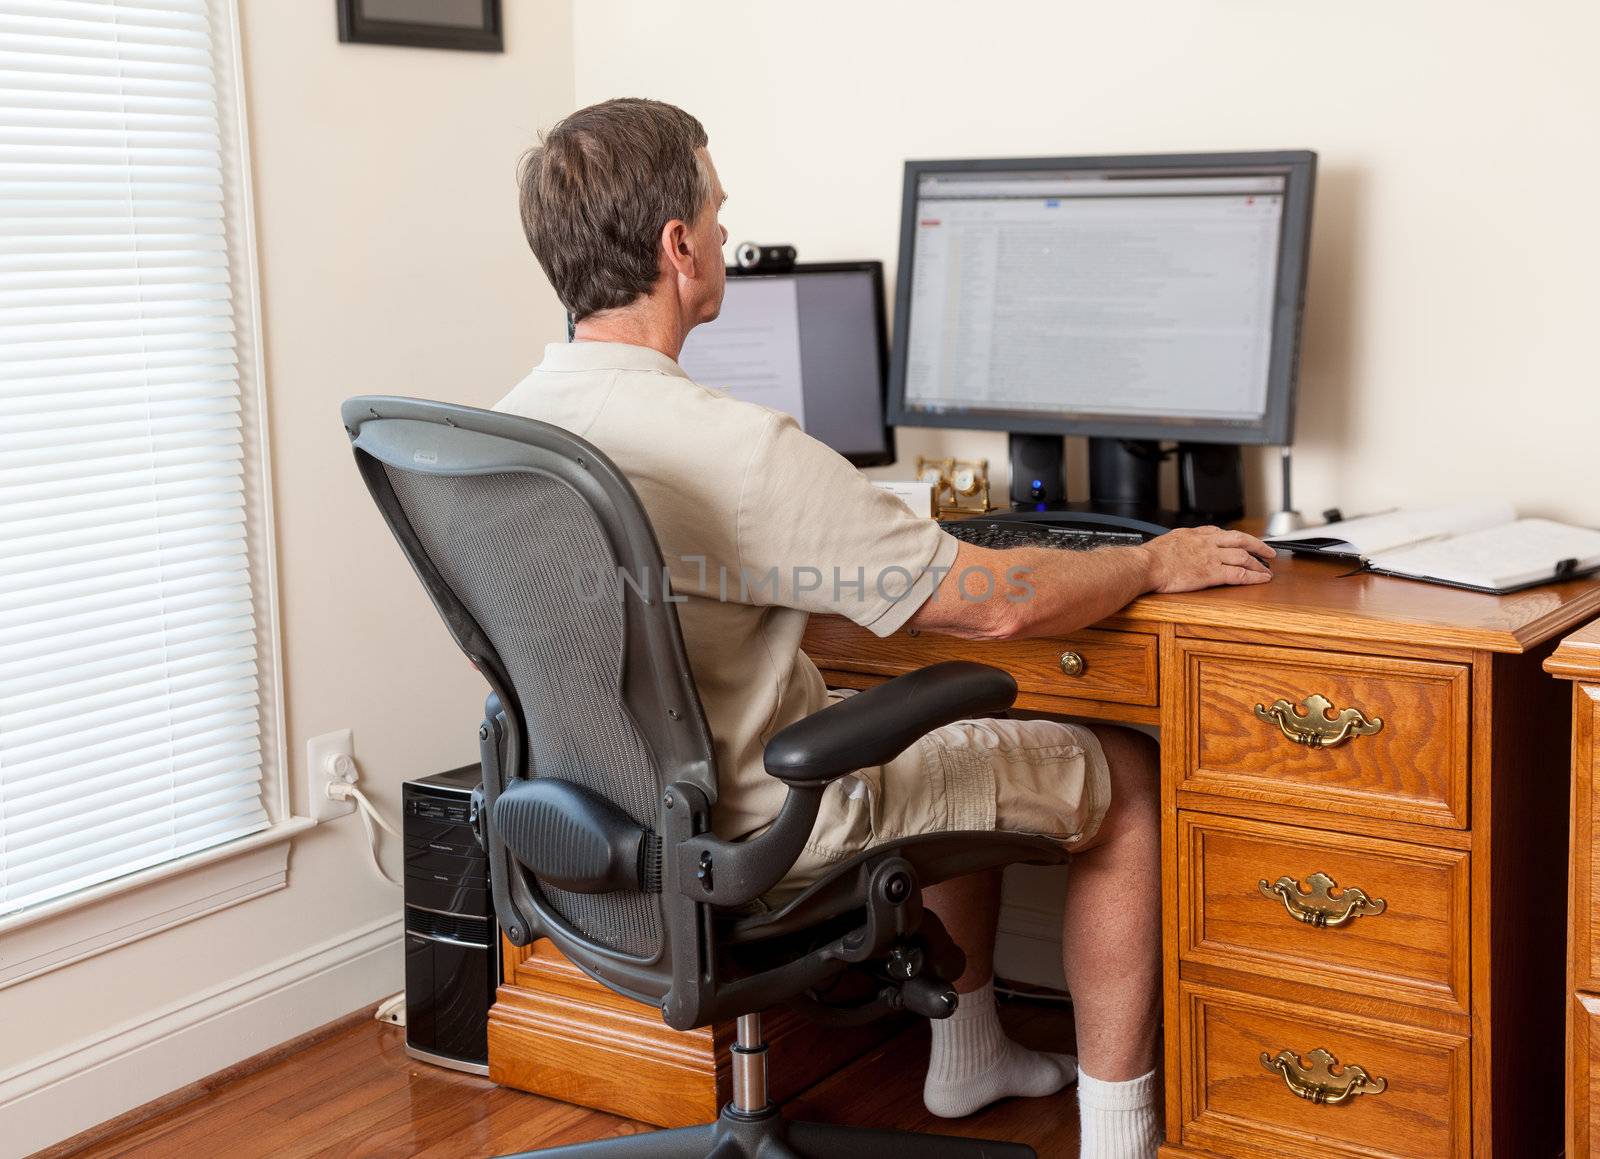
677,247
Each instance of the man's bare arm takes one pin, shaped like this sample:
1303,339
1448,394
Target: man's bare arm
1041,591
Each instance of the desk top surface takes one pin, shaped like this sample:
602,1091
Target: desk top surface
1318,598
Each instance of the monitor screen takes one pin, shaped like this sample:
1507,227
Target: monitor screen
1134,297
809,343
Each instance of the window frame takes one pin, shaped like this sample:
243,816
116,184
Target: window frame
59,930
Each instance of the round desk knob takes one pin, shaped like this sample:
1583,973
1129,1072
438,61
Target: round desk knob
1072,664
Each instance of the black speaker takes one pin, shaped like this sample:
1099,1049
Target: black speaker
1125,475
1038,469
1211,481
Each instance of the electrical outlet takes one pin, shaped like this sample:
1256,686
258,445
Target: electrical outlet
323,764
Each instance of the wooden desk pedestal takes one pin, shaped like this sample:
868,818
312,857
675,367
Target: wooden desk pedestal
556,1032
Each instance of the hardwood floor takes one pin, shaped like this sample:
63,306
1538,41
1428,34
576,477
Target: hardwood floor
356,1095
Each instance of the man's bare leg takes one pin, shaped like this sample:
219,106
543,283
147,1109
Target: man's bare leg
1111,928
1111,954
969,907
972,1062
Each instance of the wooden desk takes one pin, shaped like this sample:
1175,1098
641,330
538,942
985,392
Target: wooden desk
1578,660
1453,814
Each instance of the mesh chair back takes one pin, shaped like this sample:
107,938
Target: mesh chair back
540,558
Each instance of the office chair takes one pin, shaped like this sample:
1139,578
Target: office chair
599,773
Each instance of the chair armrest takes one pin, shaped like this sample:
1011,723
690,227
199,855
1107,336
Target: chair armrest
875,726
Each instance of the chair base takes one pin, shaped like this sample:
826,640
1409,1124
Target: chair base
768,1135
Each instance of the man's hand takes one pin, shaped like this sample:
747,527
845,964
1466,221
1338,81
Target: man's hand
1191,558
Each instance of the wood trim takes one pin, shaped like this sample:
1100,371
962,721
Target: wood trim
1257,984
1583,932
1582,1046
556,1032
1174,759
1284,814
201,1088
1398,649
1578,656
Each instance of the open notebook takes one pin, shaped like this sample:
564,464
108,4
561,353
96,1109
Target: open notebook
1482,546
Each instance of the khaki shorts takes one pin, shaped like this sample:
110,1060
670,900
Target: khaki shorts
1022,776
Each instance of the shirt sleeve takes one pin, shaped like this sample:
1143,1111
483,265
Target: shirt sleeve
815,534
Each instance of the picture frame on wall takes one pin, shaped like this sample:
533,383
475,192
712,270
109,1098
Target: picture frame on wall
473,25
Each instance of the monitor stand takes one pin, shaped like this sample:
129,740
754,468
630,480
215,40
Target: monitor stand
1125,492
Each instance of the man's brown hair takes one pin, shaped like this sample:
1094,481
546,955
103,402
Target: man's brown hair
597,191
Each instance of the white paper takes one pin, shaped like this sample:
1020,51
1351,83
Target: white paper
1370,534
752,350
1498,557
914,493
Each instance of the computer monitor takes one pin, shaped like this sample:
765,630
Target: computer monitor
811,342
1141,297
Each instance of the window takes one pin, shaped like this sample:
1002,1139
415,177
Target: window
137,671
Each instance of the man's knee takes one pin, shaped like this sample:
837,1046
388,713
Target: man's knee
1131,755
1133,759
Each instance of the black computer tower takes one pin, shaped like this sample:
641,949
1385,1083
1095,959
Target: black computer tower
452,940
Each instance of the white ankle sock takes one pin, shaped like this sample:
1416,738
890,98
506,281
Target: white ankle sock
973,1062
1118,1120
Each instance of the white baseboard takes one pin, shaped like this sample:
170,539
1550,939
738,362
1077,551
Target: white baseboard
54,1097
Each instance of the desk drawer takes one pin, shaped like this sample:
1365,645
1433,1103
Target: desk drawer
1409,941
1093,664
1233,1104
1265,724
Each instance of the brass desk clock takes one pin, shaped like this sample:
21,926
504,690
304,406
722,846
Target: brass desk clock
960,486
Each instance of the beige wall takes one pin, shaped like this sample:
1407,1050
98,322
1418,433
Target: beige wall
391,261
1448,346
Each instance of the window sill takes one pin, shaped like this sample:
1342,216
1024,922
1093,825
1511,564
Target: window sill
126,909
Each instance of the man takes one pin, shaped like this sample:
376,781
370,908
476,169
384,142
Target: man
761,525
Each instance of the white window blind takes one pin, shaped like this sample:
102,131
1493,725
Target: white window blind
129,703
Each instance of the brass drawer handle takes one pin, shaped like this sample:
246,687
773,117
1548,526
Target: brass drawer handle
1315,725
1072,663
1316,1082
1323,911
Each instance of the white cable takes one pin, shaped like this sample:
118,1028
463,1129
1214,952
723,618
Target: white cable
368,806
393,1009
345,791
372,848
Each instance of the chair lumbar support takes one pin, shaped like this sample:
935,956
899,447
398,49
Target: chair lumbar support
575,839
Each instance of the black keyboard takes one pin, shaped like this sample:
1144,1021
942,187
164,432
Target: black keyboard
1003,533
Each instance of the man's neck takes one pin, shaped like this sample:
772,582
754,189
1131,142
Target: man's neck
651,321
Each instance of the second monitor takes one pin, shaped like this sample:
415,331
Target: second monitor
810,342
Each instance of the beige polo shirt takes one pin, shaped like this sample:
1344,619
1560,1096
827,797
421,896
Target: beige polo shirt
760,525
